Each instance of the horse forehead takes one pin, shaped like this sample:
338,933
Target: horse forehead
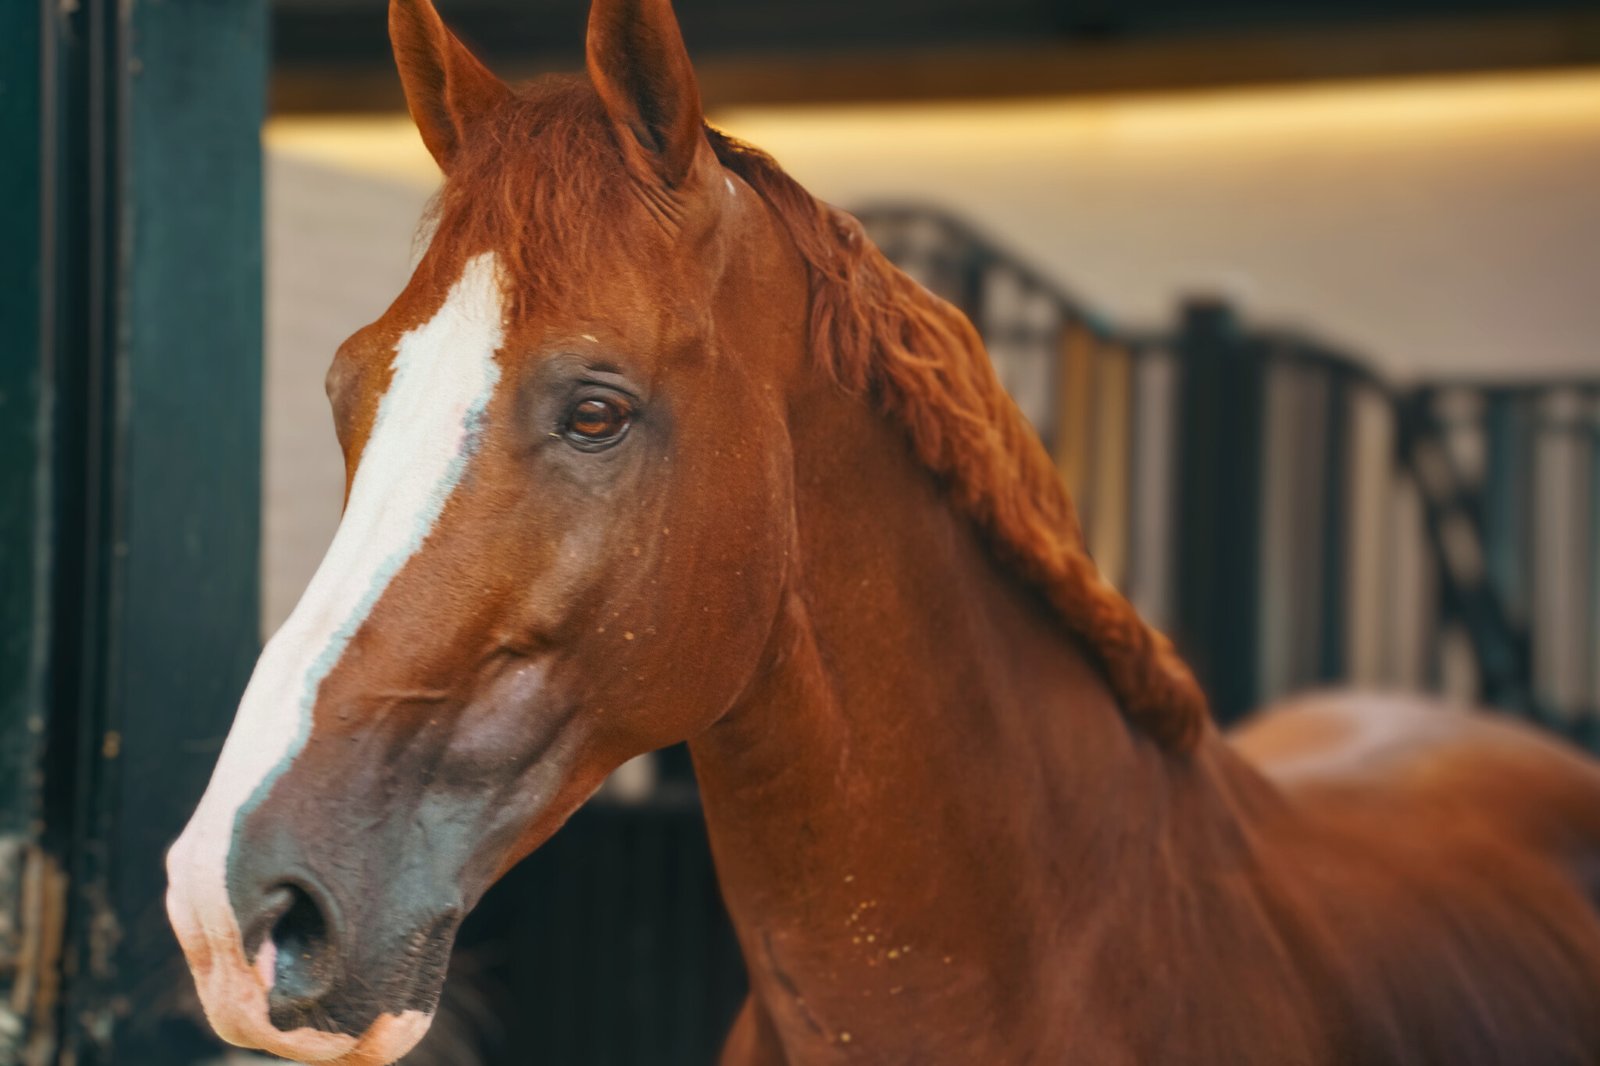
436,326
427,428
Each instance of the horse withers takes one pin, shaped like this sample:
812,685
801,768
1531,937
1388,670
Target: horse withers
656,447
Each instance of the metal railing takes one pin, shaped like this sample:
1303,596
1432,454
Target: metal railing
1289,515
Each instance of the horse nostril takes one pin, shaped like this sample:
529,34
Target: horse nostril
306,959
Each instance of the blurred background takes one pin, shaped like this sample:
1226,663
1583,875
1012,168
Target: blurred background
1303,296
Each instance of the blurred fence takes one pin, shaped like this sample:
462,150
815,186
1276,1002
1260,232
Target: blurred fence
1512,477
1292,518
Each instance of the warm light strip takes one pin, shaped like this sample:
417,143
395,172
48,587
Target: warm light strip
384,146
1363,108
1414,109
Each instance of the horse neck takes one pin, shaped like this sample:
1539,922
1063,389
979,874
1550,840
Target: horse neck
918,791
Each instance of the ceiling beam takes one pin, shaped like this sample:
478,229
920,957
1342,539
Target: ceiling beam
1075,67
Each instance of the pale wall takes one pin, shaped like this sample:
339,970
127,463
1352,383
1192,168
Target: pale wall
1445,227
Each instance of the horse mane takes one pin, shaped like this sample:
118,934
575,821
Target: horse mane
874,330
879,333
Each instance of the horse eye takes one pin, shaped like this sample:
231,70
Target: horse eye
597,422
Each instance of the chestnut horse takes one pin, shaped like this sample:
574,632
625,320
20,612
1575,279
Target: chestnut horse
655,447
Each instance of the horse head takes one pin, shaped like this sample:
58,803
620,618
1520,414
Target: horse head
567,522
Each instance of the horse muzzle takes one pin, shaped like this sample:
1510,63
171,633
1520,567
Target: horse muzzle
290,963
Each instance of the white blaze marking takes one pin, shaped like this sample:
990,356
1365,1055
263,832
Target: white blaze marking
427,430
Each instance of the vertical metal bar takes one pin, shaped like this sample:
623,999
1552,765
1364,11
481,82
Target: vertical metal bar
1593,637
1155,488
657,960
689,943
570,942
1333,656
1506,497
72,263
30,879
1108,533
1288,528
1371,613
973,279
1219,515
1074,410
1050,349
24,452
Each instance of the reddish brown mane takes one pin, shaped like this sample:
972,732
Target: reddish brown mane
876,331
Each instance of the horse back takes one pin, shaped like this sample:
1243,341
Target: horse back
1439,872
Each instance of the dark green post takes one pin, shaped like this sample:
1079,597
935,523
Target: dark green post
1332,654
25,528
130,405
186,499
1219,505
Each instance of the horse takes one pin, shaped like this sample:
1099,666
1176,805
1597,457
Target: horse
654,447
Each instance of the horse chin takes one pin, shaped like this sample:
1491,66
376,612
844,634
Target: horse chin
234,996
391,1037
244,1023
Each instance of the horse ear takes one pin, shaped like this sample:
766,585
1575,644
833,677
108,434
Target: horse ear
641,69
447,88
